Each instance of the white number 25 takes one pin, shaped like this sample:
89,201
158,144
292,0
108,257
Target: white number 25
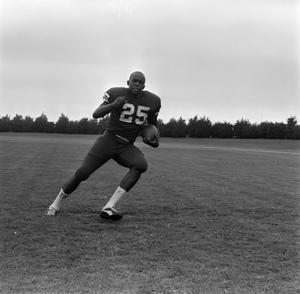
129,110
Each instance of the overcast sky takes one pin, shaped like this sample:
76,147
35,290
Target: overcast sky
226,60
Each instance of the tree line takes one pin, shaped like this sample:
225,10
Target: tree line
196,127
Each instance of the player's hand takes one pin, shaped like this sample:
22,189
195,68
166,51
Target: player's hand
119,102
153,143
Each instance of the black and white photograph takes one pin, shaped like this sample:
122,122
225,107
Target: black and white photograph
150,146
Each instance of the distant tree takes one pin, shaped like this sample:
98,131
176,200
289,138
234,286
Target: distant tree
17,123
72,127
243,129
5,124
277,131
263,130
171,127
83,126
50,127
297,132
62,124
41,124
175,128
196,127
28,124
269,130
192,127
199,128
181,128
93,127
291,128
162,128
222,130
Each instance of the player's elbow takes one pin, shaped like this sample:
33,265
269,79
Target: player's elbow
98,113
101,111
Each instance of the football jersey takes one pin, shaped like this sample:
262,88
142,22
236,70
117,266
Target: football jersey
138,111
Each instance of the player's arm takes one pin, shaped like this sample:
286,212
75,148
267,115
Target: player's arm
153,143
152,119
107,107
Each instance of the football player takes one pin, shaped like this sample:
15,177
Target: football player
129,109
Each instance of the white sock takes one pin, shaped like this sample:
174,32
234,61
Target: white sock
57,202
115,198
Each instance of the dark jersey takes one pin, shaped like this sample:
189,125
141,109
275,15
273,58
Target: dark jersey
137,112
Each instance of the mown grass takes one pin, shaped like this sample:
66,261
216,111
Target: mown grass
209,216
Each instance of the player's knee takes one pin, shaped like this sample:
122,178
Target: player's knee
142,166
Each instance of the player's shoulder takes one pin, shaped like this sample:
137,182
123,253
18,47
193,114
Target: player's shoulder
111,94
152,96
117,91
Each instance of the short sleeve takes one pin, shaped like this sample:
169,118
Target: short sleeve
154,113
108,97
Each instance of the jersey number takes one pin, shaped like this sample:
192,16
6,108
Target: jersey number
129,111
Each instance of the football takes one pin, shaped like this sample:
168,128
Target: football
150,133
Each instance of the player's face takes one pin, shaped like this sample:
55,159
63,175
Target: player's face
136,84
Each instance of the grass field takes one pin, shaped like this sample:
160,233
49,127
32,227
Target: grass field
209,216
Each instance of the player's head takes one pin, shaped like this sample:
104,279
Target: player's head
136,82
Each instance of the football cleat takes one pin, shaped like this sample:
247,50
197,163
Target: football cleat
110,213
52,211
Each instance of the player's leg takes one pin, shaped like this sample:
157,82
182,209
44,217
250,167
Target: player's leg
134,159
89,165
98,155
56,204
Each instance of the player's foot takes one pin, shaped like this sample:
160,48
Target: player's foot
51,211
110,213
